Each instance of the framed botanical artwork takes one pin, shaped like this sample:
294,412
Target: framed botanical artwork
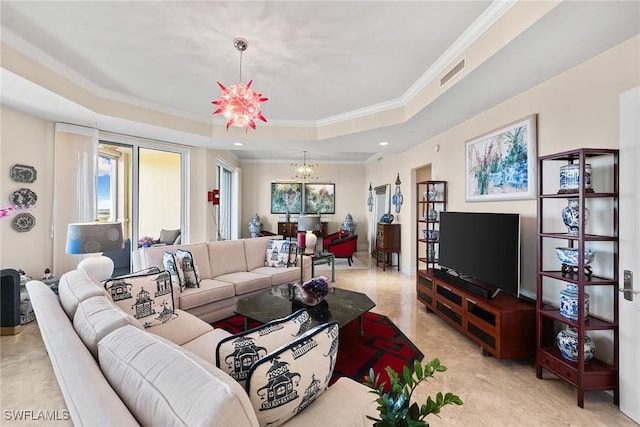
320,198
501,164
286,197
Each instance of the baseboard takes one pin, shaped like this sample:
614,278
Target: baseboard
10,330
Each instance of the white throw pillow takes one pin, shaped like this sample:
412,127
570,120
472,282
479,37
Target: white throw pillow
236,354
286,381
280,253
187,264
148,298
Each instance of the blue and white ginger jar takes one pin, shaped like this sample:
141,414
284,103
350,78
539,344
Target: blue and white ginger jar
567,341
569,302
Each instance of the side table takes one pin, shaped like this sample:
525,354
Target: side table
324,258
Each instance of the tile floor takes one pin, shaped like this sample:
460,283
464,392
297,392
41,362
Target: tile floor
495,392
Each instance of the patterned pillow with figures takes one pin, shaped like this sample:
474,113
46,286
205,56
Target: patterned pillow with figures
279,253
187,265
171,265
236,354
287,380
147,297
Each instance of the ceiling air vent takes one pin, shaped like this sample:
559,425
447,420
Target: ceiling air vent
455,70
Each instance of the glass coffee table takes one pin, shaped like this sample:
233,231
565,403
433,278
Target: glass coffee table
341,305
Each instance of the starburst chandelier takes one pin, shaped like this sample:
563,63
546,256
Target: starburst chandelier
304,171
240,104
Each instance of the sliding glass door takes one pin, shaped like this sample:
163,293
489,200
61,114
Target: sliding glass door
143,187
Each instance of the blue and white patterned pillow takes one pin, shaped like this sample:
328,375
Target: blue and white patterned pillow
280,253
236,354
286,381
190,273
171,265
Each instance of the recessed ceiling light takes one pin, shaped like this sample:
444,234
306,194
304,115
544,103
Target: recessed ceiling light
238,144
383,143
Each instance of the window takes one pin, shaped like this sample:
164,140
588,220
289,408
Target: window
225,184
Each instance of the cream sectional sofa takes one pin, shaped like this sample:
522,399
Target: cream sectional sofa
113,372
229,270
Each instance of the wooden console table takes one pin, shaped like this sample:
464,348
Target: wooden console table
290,229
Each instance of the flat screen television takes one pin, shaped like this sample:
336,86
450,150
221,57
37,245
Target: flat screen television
481,247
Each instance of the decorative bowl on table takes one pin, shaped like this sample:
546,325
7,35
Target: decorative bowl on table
312,292
569,256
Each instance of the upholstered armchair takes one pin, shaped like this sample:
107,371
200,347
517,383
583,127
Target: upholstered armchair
326,240
344,247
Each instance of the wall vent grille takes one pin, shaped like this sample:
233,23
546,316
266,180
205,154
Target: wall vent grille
455,70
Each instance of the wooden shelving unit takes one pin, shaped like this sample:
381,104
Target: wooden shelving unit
432,196
599,232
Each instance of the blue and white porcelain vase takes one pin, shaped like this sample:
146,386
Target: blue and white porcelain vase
571,216
431,252
349,225
569,302
255,226
570,178
567,341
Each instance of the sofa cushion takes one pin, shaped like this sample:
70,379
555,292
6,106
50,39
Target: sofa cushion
148,298
183,328
280,276
188,265
245,282
210,290
237,353
156,379
74,287
287,380
203,344
96,317
254,250
227,257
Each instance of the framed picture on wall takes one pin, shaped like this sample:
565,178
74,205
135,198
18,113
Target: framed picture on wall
320,198
501,164
286,197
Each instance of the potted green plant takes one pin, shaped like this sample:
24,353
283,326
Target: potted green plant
394,405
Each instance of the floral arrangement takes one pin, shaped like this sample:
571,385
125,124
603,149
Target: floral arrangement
313,291
7,211
146,241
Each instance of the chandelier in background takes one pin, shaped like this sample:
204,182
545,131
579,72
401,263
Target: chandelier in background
240,104
304,171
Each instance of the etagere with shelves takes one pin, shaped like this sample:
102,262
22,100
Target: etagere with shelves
597,197
431,200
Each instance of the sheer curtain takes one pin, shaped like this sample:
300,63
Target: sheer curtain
74,195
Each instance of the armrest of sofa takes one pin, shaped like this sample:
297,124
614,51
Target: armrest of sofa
87,394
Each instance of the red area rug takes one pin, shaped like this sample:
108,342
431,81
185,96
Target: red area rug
383,344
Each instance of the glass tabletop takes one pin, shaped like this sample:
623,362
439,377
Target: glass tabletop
340,305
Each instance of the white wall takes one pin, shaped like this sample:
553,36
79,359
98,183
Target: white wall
351,191
27,140
578,108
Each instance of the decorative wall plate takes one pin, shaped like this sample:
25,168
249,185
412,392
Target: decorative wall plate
23,198
24,173
24,222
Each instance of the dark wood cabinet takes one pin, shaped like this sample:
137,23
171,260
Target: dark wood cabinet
503,326
290,229
387,244
596,232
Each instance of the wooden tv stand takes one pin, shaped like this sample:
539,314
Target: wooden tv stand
503,326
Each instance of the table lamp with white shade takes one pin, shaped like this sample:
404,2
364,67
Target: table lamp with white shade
309,223
95,238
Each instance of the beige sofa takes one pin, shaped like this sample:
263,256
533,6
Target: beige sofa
229,270
111,371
